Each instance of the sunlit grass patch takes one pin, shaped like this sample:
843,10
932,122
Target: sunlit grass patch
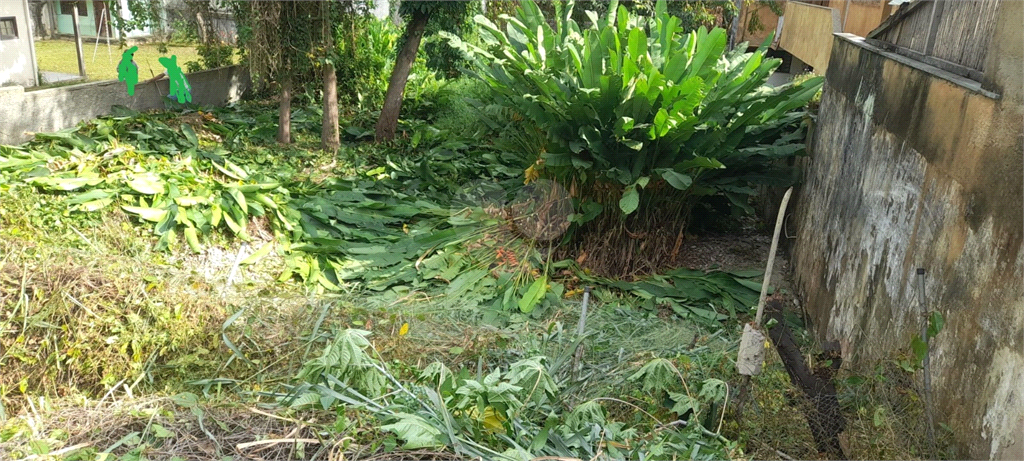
100,63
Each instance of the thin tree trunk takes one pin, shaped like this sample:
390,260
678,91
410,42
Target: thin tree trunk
329,136
37,18
284,111
202,27
387,124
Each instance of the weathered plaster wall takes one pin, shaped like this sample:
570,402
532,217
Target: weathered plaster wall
23,112
807,33
913,167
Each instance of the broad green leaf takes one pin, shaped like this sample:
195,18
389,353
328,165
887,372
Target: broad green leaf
699,162
415,430
95,194
637,45
935,323
190,134
675,179
682,403
630,200
633,144
919,347
534,294
755,286
63,184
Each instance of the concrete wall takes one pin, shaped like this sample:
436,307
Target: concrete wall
53,109
17,56
807,33
915,167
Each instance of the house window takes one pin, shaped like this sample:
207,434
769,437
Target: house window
67,7
8,28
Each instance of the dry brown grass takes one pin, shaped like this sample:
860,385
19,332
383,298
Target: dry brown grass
74,322
161,428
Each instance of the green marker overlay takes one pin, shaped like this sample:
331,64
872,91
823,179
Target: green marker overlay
179,87
128,71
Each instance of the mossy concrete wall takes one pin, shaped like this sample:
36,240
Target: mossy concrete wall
914,167
25,112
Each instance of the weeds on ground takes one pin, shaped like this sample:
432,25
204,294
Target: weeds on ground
886,415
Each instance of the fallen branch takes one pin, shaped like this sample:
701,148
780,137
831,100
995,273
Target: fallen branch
58,452
245,445
823,415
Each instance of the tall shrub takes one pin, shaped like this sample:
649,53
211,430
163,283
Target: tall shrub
366,46
638,116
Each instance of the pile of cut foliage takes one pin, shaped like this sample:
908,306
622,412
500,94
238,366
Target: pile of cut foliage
396,227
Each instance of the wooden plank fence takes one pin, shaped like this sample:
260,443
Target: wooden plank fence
953,35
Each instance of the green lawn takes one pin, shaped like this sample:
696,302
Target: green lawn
59,56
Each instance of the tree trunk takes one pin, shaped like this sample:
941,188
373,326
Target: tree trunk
37,18
202,28
329,136
822,406
387,124
284,111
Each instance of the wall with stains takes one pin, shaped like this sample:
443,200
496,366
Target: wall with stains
915,167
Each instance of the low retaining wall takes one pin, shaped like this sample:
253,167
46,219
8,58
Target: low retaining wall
25,112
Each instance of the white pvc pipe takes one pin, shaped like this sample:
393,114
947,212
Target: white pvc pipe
771,255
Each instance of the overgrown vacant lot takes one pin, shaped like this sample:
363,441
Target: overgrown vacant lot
179,285
235,347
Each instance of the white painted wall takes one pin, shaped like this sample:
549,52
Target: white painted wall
17,56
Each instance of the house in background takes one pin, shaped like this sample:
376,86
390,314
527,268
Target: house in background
17,50
94,18
803,34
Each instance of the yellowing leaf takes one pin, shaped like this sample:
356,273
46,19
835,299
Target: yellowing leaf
258,254
193,239
493,421
190,200
531,174
148,214
147,183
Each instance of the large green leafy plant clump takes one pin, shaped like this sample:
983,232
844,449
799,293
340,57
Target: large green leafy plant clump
639,115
